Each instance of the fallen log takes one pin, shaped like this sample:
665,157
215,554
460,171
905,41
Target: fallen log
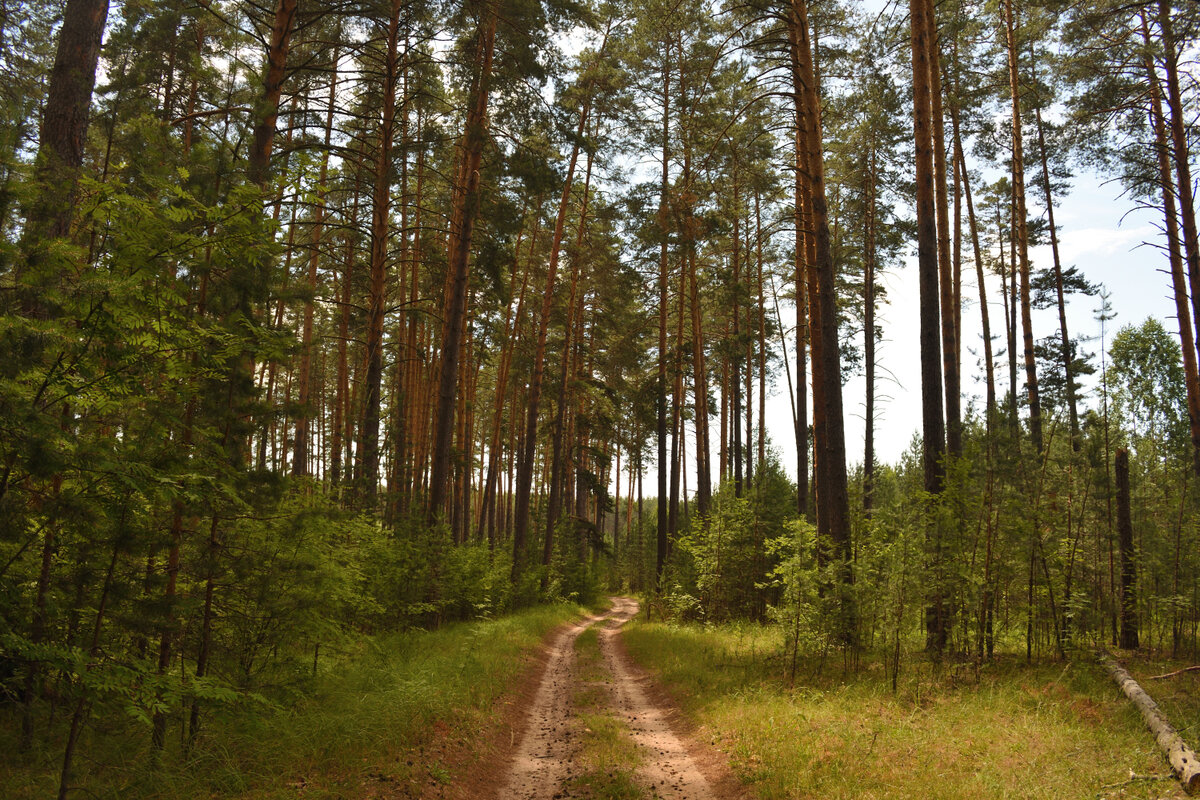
1183,759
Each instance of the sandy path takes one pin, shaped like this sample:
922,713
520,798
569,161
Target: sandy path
668,770
544,757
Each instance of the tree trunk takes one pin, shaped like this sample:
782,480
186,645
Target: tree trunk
936,625
1129,614
869,267
736,416
700,392
1021,227
558,470
762,335
802,302
465,205
1178,276
65,119
660,557
1183,170
1068,367
82,704
511,322
931,376
989,367
950,366
341,406
268,105
827,392
381,204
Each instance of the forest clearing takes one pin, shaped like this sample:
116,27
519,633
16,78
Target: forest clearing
352,352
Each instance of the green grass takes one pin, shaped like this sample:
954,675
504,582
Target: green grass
1052,731
608,755
397,711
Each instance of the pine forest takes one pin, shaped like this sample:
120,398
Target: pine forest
332,327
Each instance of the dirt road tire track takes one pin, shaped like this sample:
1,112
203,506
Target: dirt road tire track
543,759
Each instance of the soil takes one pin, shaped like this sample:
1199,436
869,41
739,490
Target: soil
674,765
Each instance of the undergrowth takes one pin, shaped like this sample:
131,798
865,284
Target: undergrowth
387,712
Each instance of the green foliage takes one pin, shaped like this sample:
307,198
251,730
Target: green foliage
1146,376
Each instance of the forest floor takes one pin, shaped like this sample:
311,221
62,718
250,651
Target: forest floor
595,726
1044,731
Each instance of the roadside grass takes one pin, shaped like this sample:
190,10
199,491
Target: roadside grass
1046,731
608,755
393,714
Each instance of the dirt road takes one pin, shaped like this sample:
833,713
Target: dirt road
543,761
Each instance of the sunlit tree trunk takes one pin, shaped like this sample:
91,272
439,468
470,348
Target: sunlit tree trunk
1178,278
1179,148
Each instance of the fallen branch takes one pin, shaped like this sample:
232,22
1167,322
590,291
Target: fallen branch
1182,758
1135,778
1195,668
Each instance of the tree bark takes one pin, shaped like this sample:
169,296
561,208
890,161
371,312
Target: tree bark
558,469
931,375
1174,255
1060,294
936,624
65,119
1183,169
534,393
268,106
660,556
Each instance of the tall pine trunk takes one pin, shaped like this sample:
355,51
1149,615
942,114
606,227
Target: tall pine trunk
833,514
465,209
381,205
1021,227
936,624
